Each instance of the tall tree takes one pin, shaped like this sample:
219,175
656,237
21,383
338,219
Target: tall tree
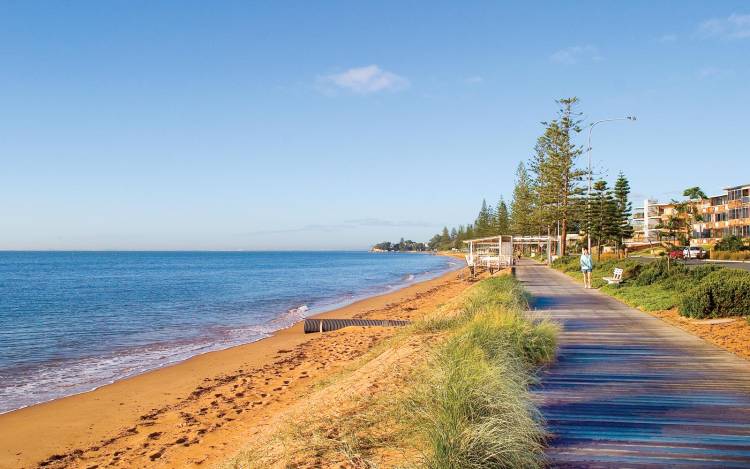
522,205
445,239
624,210
603,225
484,220
460,237
688,210
556,174
502,218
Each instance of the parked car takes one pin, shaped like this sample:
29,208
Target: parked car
676,254
694,252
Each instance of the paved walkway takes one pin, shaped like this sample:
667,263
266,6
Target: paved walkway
629,390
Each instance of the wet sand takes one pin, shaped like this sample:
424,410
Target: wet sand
202,411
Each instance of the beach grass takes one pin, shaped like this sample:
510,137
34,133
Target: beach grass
473,408
452,390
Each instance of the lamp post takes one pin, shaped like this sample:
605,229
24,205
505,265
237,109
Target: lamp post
588,150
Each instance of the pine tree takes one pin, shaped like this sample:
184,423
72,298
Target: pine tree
545,198
522,206
484,220
557,179
602,215
445,239
624,210
460,237
502,219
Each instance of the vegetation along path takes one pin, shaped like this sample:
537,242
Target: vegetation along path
629,390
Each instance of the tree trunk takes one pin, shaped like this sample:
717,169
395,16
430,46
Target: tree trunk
563,236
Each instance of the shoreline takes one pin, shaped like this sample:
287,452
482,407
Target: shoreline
314,312
83,420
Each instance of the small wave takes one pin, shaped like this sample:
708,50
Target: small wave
300,310
409,278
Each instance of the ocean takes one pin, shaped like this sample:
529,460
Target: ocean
73,321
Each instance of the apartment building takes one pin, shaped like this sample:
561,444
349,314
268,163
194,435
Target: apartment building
723,215
647,220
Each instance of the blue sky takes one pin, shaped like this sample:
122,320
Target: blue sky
323,125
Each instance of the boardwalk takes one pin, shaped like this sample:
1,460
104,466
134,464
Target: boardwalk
629,390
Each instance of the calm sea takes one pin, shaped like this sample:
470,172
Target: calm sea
73,321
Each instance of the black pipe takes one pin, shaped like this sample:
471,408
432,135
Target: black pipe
325,325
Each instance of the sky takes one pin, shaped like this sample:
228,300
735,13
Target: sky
336,125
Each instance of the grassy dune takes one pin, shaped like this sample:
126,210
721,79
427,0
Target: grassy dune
473,410
450,391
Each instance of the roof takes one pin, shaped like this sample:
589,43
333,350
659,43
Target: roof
486,239
742,186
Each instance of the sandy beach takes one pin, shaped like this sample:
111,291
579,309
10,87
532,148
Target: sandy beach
200,412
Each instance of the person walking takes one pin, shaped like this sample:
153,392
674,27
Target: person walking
587,265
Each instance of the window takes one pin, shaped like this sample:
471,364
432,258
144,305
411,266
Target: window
735,194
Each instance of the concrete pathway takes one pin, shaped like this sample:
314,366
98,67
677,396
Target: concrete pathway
629,390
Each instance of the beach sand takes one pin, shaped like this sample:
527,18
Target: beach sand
200,412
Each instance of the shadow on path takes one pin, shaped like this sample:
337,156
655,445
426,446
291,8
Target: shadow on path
629,390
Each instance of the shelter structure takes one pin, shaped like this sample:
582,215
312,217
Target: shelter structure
497,252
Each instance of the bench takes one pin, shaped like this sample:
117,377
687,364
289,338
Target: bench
614,279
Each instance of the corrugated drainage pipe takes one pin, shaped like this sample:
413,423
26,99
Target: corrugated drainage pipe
325,325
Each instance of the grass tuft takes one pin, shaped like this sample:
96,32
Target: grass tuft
473,407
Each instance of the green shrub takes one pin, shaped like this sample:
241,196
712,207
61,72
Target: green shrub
566,263
721,293
659,270
700,272
731,243
723,273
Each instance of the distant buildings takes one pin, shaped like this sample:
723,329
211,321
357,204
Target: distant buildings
648,221
721,215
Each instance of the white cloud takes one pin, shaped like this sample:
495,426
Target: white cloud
668,38
714,72
365,80
575,54
732,27
474,80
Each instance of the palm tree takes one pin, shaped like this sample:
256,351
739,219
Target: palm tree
694,193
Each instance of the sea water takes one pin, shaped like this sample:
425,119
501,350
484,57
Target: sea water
73,321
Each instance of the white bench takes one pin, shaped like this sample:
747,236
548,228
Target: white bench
614,279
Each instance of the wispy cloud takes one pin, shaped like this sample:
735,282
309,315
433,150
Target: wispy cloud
346,225
575,54
301,229
734,26
667,38
363,80
714,72
474,80
381,222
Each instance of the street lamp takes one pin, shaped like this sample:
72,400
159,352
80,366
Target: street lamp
588,150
